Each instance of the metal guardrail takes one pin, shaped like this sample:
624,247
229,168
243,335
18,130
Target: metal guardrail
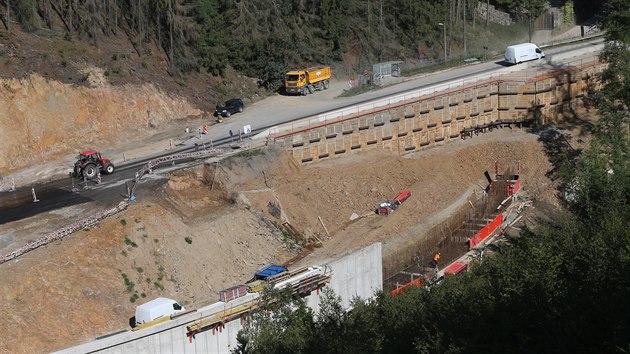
148,168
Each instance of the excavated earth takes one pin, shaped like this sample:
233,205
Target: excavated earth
202,229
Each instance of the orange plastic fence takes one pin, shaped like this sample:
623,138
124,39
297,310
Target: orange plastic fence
486,231
416,282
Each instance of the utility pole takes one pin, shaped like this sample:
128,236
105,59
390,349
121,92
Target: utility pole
380,56
487,12
444,30
465,48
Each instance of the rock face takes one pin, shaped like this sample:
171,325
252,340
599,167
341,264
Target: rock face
44,120
493,14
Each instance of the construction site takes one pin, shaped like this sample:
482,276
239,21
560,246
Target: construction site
443,175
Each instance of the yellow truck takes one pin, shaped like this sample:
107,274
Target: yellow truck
306,81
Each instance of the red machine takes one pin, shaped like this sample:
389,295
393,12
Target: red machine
389,206
90,163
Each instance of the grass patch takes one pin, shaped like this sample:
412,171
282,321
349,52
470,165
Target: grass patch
156,240
124,253
188,239
159,286
148,280
139,269
128,283
123,222
250,153
133,298
128,242
293,241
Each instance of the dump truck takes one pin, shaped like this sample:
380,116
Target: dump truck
303,82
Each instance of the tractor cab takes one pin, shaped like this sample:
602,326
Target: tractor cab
89,156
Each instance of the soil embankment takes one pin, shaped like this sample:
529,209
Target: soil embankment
44,120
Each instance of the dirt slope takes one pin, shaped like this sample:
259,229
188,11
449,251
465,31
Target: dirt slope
44,120
230,227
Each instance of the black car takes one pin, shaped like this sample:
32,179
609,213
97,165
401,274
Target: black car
234,105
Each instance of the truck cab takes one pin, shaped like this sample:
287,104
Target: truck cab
294,81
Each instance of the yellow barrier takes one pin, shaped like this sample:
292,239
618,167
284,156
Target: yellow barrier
152,323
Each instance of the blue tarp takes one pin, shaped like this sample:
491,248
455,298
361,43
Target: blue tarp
269,270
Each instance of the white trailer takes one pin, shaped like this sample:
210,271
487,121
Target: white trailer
518,53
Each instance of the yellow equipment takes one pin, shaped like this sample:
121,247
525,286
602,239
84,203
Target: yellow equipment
307,81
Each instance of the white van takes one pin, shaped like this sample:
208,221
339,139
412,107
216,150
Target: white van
519,53
156,309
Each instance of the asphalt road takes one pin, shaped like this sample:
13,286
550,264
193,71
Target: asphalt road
278,110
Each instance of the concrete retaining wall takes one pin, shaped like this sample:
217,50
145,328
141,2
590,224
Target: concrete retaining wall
437,119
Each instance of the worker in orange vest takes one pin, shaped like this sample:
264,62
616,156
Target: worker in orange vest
205,129
436,258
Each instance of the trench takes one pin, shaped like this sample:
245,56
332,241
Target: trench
451,238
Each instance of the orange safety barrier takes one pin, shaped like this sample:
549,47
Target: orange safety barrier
486,231
416,282
538,76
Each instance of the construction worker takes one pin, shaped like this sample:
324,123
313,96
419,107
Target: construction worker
205,129
436,258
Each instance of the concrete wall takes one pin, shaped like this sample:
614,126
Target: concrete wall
358,274
437,119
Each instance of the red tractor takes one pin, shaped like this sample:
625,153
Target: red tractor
90,164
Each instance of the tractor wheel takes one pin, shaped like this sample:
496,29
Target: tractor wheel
326,83
310,89
305,91
108,169
90,171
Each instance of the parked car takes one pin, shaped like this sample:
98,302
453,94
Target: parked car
234,105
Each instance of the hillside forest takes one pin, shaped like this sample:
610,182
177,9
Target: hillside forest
263,38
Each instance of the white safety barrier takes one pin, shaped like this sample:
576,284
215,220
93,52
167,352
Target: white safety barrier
55,235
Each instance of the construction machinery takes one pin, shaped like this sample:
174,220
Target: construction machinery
90,163
389,206
307,81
